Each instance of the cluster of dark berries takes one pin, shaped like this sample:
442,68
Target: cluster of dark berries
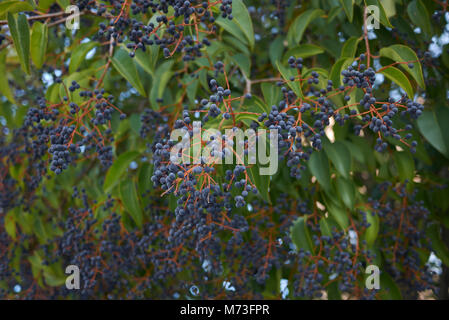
121,25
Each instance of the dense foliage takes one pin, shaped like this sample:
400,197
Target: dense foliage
87,177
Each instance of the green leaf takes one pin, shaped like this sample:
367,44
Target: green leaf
398,77
300,235
243,62
404,54
161,77
389,7
39,40
340,156
146,60
130,200
81,77
346,190
20,32
79,54
233,28
348,6
333,13
14,7
124,64
63,3
10,225
349,49
300,24
243,20
383,15
339,214
389,289
405,165
433,126
117,169
271,93
4,85
337,68
44,5
327,225
319,167
275,50
440,248
145,182
333,293
303,51
262,182
419,16
287,73
373,229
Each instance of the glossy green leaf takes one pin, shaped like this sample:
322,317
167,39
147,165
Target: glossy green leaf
340,157
319,167
303,51
39,40
275,50
233,28
10,225
346,190
262,182
405,165
405,55
339,214
124,64
81,77
130,200
419,16
348,7
441,249
14,6
115,172
147,60
383,14
79,54
373,230
244,63
161,77
300,235
20,32
5,89
433,126
398,77
389,288
272,94
299,25
327,226
243,20
287,74
336,70
350,47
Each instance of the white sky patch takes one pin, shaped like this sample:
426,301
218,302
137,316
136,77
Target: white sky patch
91,54
352,237
228,286
47,79
17,288
434,263
133,165
284,288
